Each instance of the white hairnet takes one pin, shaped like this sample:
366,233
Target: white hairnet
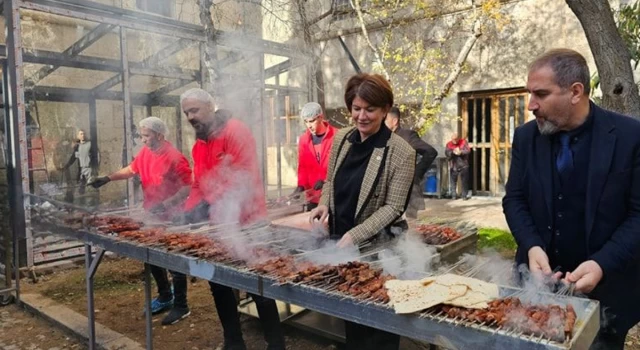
310,110
155,124
197,94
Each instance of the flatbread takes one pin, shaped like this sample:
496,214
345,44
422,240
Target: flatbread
489,289
416,295
412,296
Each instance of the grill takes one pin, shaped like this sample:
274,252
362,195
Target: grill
322,295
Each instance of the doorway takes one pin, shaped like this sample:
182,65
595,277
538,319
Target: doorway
488,122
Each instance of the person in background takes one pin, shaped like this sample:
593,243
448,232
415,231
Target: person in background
227,188
368,184
314,148
425,157
457,152
82,154
572,199
165,175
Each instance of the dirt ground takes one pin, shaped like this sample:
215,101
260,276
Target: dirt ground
119,298
21,330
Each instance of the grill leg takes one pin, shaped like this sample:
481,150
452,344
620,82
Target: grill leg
147,305
92,266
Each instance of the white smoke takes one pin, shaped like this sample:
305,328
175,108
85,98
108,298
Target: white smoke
409,257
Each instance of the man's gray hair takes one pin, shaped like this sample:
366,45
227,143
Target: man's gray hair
568,67
198,94
310,110
155,124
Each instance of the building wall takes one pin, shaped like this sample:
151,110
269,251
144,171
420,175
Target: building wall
498,60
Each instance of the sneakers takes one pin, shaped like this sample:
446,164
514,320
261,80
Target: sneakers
158,306
175,315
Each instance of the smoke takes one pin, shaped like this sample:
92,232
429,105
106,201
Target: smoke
329,253
408,258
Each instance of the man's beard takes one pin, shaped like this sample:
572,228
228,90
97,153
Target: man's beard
547,127
202,130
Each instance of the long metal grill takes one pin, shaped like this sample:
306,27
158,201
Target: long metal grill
323,290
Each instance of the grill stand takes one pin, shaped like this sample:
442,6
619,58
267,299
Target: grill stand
91,264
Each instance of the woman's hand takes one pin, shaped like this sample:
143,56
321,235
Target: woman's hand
321,213
345,241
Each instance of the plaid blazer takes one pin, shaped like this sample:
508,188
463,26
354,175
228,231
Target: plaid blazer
385,188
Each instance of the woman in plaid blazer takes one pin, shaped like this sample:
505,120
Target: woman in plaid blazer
368,183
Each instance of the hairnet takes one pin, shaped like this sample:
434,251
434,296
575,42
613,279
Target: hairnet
310,110
155,124
198,94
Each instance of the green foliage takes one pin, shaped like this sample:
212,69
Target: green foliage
629,28
417,49
493,238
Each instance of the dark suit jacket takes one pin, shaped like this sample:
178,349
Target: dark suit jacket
612,208
428,154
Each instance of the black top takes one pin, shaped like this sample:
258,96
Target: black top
349,177
568,243
316,139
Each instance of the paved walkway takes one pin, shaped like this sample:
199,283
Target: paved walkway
482,211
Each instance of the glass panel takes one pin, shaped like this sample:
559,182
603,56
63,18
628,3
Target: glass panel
470,120
487,120
478,120
521,111
501,119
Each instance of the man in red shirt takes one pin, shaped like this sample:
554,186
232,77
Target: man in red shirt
457,153
228,188
166,178
314,148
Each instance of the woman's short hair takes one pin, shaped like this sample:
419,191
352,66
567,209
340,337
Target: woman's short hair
373,88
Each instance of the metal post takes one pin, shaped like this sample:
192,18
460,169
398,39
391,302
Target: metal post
17,156
128,119
90,304
91,264
265,138
147,306
276,103
179,127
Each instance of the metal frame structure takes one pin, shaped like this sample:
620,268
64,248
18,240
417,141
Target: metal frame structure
108,19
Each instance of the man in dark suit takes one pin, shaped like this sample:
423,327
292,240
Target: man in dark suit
425,156
573,196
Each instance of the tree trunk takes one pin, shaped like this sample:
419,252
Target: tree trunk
619,91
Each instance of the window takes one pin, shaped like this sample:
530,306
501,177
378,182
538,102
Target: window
159,7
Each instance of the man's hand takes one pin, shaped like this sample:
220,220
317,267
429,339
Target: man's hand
318,185
586,276
345,241
539,263
99,182
321,213
296,193
158,209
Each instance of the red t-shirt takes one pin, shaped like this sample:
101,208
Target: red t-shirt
162,172
227,176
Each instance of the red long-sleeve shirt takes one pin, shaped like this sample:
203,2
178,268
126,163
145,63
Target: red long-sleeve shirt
163,173
227,176
311,169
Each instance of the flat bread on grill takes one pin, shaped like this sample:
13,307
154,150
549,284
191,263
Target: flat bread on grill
412,296
478,295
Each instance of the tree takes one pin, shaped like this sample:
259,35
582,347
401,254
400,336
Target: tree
422,71
613,59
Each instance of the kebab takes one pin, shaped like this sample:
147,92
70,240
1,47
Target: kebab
437,234
551,321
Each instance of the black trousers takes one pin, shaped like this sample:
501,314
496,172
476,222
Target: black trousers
361,337
608,339
227,307
464,177
164,287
